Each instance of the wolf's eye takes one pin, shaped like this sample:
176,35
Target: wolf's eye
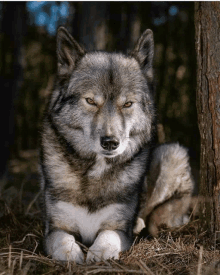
90,101
127,104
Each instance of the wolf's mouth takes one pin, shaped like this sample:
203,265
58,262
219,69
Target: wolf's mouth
108,154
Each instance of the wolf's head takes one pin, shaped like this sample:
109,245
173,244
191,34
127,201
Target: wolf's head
102,104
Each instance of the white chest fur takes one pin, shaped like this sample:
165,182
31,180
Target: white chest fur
75,217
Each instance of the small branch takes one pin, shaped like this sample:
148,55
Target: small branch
200,261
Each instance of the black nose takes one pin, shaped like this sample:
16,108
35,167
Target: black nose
109,143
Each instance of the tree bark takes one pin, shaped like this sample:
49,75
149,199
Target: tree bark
207,26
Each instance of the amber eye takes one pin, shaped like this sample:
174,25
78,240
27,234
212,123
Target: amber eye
127,104
90,101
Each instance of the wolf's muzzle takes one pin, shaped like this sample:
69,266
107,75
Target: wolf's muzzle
109,143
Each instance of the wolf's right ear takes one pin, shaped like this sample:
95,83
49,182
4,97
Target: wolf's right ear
68,52
144,53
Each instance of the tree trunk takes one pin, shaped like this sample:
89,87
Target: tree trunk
11,74
91,22
106,25
207,25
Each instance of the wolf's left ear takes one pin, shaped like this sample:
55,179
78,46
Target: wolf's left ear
68,52
144,53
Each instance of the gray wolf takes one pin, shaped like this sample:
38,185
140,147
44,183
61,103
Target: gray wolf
96,141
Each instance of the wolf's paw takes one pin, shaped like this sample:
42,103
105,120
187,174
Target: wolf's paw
140,224
98,253
62,247
68,251
107,245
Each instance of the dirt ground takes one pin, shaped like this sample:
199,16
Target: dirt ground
184,251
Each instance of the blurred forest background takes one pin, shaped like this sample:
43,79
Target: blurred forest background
28,67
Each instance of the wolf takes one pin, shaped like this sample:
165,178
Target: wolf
96,144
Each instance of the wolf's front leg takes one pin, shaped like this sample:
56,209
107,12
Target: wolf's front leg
63,247
108,244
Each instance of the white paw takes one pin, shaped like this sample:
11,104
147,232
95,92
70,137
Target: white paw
107,245
140,224
98,253
62,246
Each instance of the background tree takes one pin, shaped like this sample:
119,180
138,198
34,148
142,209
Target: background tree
12,25
207,24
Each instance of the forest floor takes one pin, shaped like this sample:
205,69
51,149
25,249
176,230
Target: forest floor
184,251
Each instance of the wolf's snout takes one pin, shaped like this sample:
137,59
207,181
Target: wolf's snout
109,143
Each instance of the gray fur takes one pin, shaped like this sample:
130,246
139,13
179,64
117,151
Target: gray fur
95,147
91,192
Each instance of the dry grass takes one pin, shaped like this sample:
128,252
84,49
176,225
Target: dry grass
187,250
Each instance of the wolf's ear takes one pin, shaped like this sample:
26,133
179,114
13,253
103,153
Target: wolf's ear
144,53
68,52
